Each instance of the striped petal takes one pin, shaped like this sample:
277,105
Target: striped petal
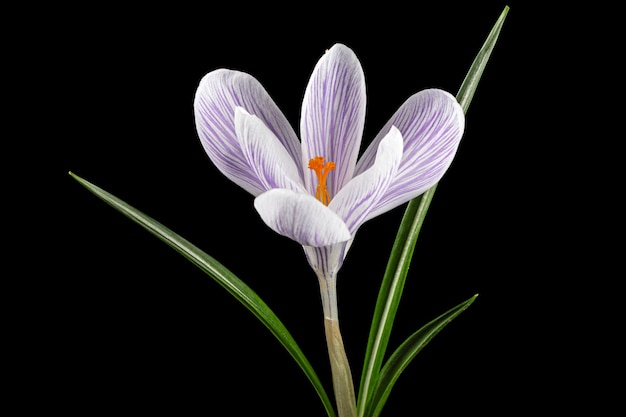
267,157
301,217
362,194
219,93
432,123
333,115
327,260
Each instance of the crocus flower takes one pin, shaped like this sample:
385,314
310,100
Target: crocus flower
316,190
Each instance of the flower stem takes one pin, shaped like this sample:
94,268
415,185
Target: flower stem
342,377
343,384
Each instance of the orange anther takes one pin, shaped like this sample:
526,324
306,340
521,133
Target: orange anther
321,170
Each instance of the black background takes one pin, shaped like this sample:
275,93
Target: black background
119,321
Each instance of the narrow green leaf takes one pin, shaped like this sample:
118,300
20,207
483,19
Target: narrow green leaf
223,276
470,83
406,238
390,294
401,358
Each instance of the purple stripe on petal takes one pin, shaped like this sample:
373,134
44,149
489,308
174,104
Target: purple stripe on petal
432,124
327,260
362,194
267,157
300,217
218,94
333,115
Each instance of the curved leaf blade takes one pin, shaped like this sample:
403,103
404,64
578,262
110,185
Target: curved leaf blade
390,294
401,358
237,288
474,74
406,238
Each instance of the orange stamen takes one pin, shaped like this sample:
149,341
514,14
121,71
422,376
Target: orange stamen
321,170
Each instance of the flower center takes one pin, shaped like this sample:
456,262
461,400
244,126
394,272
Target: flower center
321,170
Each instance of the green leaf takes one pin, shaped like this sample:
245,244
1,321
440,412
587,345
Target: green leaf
223,276
401,358
406,238
470,83
389,296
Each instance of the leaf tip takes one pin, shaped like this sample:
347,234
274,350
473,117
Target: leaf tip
504,13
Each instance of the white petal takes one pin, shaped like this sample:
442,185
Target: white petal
301,217
432,124
267,157
333,115
356,200
218,94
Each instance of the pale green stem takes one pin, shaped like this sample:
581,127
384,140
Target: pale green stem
343,384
